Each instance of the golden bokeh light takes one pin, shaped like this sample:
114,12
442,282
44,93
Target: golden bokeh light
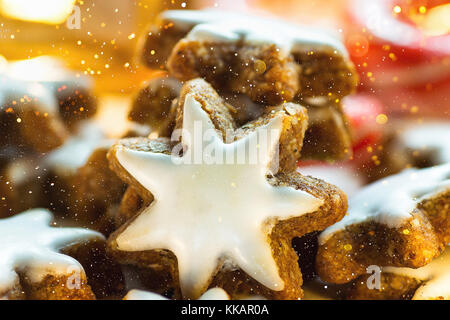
44,11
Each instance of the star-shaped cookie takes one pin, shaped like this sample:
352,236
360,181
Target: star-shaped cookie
30,258
221,208
265,58
211,294
401,221
327,137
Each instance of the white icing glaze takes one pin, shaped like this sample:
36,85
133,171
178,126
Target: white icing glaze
40,69
390,201
380,21
211,294
436,277
432,136
206,212
76,150
220,25
37,80
28,244
14,90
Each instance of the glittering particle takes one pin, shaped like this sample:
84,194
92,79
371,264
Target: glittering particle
381,118
422,9
152,52
405,231
414,109
132,36
397,9
19,120
348,247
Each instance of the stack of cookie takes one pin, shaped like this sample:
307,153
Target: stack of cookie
244,73
195,226
47,153
207,204
45,110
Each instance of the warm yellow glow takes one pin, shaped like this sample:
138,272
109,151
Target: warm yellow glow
46,11
114,109
435,22
38,69
397,9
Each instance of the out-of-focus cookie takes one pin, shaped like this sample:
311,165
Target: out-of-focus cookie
269,60
73,180
97,193
409,144
31,264
398,221
22,186
423,145
79,182
431,282
39,101
328,136
152,104
71,90
170,236
63,163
